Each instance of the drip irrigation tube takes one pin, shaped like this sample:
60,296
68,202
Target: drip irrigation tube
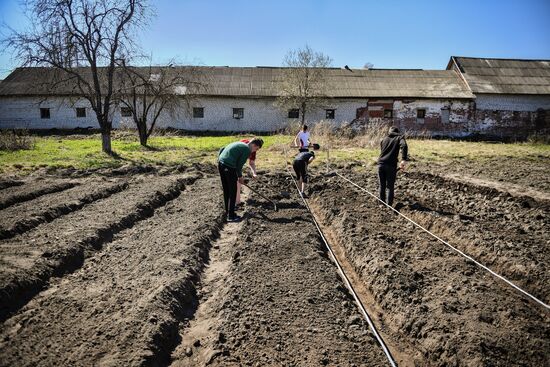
346,280
546,306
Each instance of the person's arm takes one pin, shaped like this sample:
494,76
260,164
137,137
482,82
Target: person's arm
311,159
296,140
404,153
252,165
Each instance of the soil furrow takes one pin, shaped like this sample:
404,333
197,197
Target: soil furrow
130,298
450,311
20,218
4,184
284,303
30,192
61,246
506,233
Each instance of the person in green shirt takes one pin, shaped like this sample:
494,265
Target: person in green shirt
231,160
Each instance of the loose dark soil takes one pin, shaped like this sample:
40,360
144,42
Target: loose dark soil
60,246
123,307
528,172
284,303
428,298
136,267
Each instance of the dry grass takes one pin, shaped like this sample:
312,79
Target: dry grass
13,140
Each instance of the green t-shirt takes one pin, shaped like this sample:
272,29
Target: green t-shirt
235,155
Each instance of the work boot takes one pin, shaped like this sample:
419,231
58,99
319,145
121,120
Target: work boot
234,218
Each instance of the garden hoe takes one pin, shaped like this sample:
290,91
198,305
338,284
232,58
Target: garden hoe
266,198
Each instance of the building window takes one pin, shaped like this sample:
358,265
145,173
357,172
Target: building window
420,113
388,114
329,114
80,112
126,112
44,113
293,113
198,112
238,113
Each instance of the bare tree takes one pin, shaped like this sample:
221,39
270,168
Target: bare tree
83,40
303,85
368,65
148,92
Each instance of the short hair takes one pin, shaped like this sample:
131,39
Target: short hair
304,127
316,147
257,141
393,129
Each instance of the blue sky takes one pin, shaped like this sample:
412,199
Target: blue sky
389,34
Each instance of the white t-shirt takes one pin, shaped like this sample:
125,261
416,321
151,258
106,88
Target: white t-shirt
304,138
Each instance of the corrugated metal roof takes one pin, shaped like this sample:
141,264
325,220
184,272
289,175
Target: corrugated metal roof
265,82
505,76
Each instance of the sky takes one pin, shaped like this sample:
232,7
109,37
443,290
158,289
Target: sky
419,34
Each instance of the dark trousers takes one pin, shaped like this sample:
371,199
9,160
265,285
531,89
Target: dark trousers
386,176
229,183
300,167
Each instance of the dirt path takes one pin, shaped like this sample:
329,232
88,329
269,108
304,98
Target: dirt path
284,303
125,305
447,309
200,338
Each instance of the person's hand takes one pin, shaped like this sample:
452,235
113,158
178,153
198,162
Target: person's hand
402,165
241,180
254,176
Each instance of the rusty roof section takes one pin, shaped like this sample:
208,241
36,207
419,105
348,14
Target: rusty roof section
504,76
257,82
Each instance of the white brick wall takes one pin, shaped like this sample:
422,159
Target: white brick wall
511,102
24,113
259,114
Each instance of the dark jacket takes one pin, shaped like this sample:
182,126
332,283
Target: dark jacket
304,157
389,150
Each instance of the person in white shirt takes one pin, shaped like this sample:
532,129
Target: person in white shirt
302,140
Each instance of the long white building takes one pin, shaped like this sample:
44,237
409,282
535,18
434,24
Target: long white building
472,96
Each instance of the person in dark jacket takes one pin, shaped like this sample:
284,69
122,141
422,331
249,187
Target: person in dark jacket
301,161
231,160
387,162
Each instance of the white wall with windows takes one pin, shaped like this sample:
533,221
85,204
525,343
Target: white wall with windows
246,114
46,113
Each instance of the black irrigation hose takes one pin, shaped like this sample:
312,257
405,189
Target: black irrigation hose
546,306
345,279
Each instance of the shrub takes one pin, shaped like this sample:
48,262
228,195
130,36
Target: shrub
11,140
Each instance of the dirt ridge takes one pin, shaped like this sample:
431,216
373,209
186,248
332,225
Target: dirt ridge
450,311
57,211
26,196
463,185
131,297
25,286
4,184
